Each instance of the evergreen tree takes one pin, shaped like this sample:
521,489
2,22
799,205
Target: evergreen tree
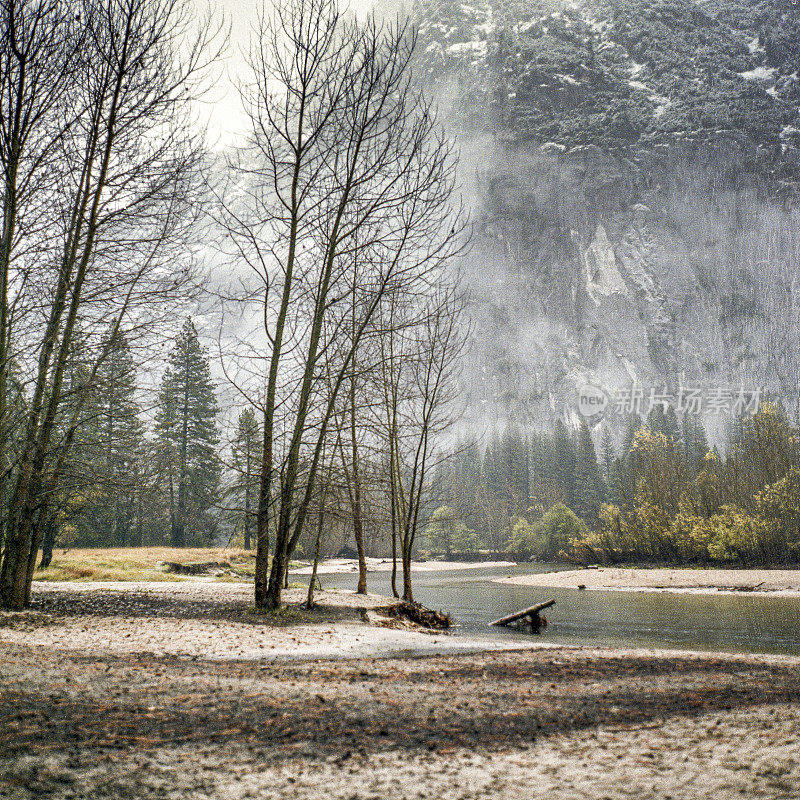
493,468
187,431
462,481
544,488
623,483
589,489
513,456
247,469
494,517
695,442
564,463
607,454
633,424
665,422
120,432
73,495
95,494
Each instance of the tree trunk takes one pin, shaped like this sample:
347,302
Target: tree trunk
394,557
179,531
407,592
247,479
137,541
317,543
48,543
172,515
358,523
262,569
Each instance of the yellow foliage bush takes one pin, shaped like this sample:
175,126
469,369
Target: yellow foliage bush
735,535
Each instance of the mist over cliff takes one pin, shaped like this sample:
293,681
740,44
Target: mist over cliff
632,170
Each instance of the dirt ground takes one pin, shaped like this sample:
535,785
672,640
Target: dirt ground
84,717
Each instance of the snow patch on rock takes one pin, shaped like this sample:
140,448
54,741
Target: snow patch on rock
754,47
759,74
462,48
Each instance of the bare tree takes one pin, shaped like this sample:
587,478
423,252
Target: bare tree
346,183
118,181
420,367
39,47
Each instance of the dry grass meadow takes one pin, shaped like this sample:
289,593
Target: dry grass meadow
140,563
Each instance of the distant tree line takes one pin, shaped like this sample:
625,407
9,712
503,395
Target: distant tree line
130,483
662,495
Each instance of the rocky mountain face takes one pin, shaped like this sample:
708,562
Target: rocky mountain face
633,171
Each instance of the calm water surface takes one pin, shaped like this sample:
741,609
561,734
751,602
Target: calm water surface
750,623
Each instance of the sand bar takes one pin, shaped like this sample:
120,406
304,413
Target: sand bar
204,619
343,566
783,581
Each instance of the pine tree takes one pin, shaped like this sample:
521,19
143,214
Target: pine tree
247,468
607,454
493,468
589,489
665,422
96,489
695,442
564,462
187,431
71,494
463,481
513,466
120,432
494,516
545,488
633,424
623,481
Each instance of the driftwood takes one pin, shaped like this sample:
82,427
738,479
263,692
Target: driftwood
531,614
418,614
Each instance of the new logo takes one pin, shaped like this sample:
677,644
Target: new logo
592,400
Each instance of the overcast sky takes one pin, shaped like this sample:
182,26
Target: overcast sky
221,109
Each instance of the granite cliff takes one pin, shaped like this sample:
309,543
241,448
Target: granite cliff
632,169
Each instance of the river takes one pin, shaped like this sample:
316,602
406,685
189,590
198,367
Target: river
745,623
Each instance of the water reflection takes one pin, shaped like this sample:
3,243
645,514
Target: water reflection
752,623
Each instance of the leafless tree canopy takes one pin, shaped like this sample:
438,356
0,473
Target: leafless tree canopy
99,176
339,229
341,199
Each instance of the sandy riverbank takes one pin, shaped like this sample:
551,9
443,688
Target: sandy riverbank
783,581
177,691
209,620
341,566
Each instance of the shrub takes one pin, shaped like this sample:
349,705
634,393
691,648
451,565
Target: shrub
524,543
447,532
736,535
551,536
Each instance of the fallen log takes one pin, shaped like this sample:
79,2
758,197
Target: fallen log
532,613
197,568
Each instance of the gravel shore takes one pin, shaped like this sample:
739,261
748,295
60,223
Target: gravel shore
83,717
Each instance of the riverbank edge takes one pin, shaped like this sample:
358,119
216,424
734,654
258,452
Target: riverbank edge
110,619
773,582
